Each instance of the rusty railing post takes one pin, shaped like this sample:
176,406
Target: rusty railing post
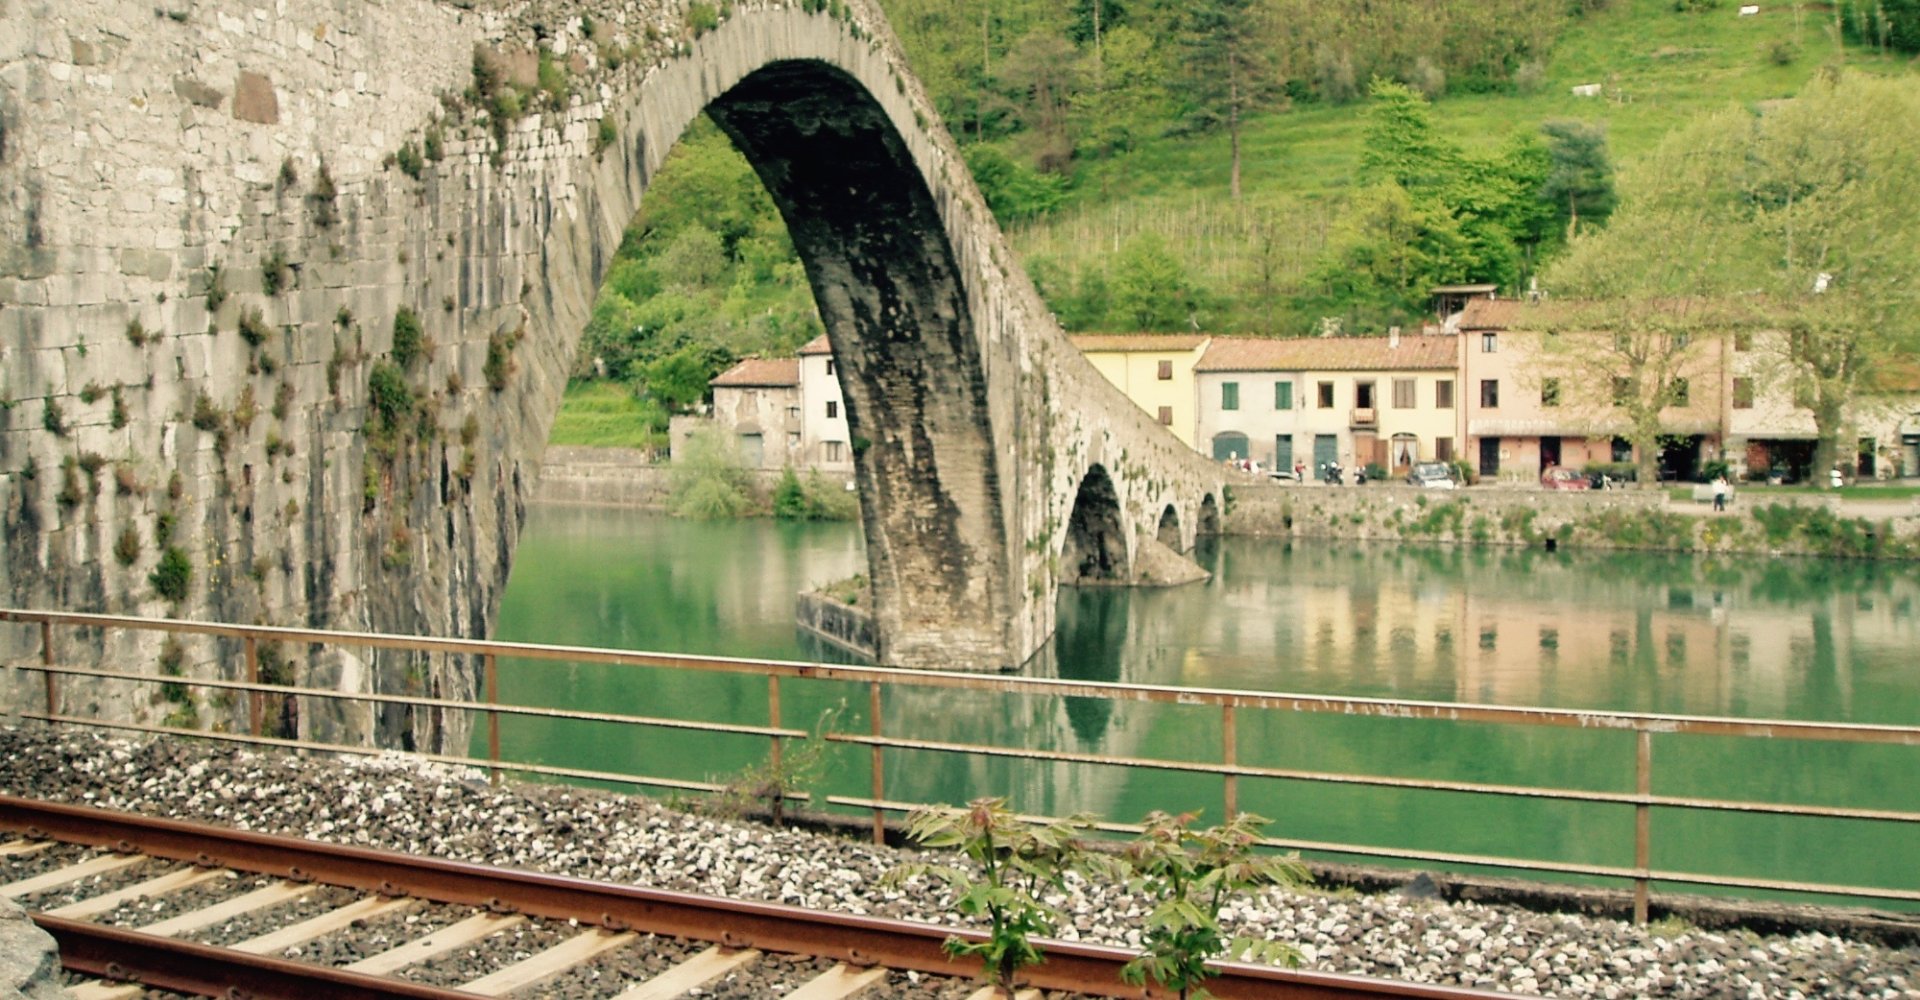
1229,754
773,719
255,705
879,764
46,660
1642,822
493,718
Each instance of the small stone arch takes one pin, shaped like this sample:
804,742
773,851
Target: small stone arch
1096,546
1169,531
1209,523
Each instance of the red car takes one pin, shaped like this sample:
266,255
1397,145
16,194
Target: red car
1559,477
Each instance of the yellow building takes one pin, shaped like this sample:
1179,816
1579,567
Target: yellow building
1154,370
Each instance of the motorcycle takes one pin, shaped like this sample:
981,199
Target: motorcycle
1331,473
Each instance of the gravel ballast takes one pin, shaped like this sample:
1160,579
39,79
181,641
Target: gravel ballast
397,803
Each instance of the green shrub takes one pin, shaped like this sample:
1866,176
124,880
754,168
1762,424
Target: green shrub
253,328
206,416
702,18
708,482
391,398
553,79
54,419
172,578
407,338
323,197
607,134
409,159
499,365
276,272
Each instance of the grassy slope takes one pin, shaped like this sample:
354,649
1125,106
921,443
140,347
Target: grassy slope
1659,68
603,415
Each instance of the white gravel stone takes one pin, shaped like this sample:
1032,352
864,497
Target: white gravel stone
398,802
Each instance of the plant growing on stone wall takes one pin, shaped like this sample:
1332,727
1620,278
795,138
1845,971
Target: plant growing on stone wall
289,174
606,134
253,328
409,159
407,337
1016,864
323,197
127,481
53,418
702,18
206,416
117,415
71,492
1189,875
434,146
245,409
553,79
276,272
90,393
163,524
391,399
282,399
172,578
499,366
126,548
216,287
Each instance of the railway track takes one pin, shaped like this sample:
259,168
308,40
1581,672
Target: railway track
141,903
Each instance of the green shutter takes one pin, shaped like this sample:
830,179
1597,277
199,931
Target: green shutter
1229,395
1283,395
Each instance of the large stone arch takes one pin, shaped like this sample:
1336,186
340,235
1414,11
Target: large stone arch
256,215
1095,550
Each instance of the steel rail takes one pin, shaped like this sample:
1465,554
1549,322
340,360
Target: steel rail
1215,697
201,970
856,940
1415,784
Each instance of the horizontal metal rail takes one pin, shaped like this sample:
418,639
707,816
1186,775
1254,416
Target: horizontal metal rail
857,940
1415,784
1641,727
1214,697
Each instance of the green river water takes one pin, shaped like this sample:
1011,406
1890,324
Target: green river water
1749,637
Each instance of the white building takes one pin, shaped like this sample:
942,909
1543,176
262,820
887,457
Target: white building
825,443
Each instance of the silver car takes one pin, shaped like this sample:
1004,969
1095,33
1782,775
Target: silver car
1432,475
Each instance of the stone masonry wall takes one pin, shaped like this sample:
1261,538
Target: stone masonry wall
287,306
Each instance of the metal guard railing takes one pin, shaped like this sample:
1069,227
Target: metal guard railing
1229,702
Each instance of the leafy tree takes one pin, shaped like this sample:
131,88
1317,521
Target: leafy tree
1383,256
1014,192
1887,24
708,481
1579,180
679,380
1401,143
1127,99
1802,219
1043,74
1150,288
1228,71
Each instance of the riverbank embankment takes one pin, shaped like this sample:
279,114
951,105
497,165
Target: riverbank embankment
1759,521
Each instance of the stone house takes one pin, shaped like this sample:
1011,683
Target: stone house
1154,370
759,402
1355,400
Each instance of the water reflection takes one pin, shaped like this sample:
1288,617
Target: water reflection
1746,637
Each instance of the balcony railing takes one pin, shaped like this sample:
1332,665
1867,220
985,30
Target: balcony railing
880,737
1365,416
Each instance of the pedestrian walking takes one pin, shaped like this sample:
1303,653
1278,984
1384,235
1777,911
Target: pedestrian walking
1719,493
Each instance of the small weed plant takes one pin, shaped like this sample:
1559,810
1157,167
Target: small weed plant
1018,863
1189,875
798,768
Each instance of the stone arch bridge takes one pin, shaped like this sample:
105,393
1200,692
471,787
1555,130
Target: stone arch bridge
289,293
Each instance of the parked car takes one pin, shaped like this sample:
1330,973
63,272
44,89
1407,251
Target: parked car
1431,475
1559,477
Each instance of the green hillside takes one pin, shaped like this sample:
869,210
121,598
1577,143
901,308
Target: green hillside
1109,163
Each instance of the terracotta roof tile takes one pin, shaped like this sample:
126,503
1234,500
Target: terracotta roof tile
1490,314
1250,354
1138,341
817,345
760,372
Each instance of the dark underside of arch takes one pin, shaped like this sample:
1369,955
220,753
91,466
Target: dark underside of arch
889,289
